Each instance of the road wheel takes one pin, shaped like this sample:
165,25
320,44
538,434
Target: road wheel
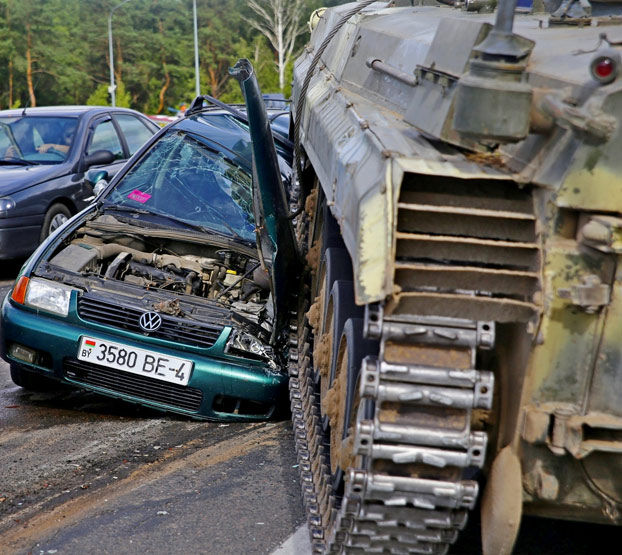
56,216
341,401
30,380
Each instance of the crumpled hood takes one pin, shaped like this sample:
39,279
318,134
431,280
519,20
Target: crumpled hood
16,178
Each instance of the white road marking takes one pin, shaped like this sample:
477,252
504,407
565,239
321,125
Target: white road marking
297,544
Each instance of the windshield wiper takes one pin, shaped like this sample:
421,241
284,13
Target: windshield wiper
198,227
223,221
137,210
10,161
123,208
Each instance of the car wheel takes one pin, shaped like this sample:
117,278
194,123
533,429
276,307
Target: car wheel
30,380
56,216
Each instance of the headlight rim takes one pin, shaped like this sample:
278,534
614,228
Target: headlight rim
4,210
239,349
39,282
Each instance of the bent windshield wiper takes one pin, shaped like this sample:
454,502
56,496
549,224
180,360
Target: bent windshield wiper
223,221
137,210
10,161
189,225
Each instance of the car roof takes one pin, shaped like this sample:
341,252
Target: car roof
217,110
61,111
227,136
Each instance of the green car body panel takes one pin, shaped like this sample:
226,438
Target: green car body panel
213,370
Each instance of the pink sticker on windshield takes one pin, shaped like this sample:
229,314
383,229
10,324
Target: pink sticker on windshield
139,196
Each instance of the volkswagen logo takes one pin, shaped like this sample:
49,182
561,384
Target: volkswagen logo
150,321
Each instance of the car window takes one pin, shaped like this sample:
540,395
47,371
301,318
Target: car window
39,139
105,138
134,131
5,137
182,177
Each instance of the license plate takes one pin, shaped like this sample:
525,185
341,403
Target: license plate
134,360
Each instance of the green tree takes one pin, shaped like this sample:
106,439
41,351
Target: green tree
101,97
56,51
280,21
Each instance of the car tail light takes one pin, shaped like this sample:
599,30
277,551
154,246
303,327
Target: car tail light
19,291
605,67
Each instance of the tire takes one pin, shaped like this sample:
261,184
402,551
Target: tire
56,216
30,380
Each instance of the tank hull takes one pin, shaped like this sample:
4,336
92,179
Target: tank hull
517,230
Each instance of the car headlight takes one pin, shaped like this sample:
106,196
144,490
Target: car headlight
248,346
48,295
6,204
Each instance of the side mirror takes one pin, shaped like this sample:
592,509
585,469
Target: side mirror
98,179
99,158
101,185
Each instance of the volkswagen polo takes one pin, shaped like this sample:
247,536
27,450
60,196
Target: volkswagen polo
162,292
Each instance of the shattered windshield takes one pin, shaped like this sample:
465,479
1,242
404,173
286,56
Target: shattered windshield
36,139
183,178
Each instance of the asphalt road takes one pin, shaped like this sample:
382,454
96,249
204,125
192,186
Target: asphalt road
84,474
81,474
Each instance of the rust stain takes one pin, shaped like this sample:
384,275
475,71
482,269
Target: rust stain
313,314
420,415
389,413
313,256
311,203
321,354
489,159
334,406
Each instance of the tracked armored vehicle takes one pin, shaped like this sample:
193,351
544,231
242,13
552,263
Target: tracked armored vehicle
460,316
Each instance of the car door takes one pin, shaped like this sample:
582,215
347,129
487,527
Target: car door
103,135
134,130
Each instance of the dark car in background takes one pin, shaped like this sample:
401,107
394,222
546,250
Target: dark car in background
44,156
161,292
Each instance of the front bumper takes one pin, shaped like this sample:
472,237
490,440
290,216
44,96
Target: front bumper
218,389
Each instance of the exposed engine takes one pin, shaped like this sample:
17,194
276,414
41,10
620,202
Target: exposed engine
230,277
227,276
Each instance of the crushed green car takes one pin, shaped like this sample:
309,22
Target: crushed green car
162,292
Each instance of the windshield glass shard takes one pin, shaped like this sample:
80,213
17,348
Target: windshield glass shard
183,179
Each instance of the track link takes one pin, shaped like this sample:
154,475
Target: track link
407,492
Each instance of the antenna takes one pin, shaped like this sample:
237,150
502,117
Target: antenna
33,91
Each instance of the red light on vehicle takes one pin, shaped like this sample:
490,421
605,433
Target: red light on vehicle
19,291
605,67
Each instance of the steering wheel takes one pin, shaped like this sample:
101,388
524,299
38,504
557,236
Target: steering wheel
61,155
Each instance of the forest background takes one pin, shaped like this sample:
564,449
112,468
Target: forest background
55,52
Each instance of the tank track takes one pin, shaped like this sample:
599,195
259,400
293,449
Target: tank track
399,497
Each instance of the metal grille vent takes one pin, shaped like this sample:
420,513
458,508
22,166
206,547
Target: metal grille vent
466,249
180,330
141,387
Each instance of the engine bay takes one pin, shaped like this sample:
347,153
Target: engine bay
230,275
